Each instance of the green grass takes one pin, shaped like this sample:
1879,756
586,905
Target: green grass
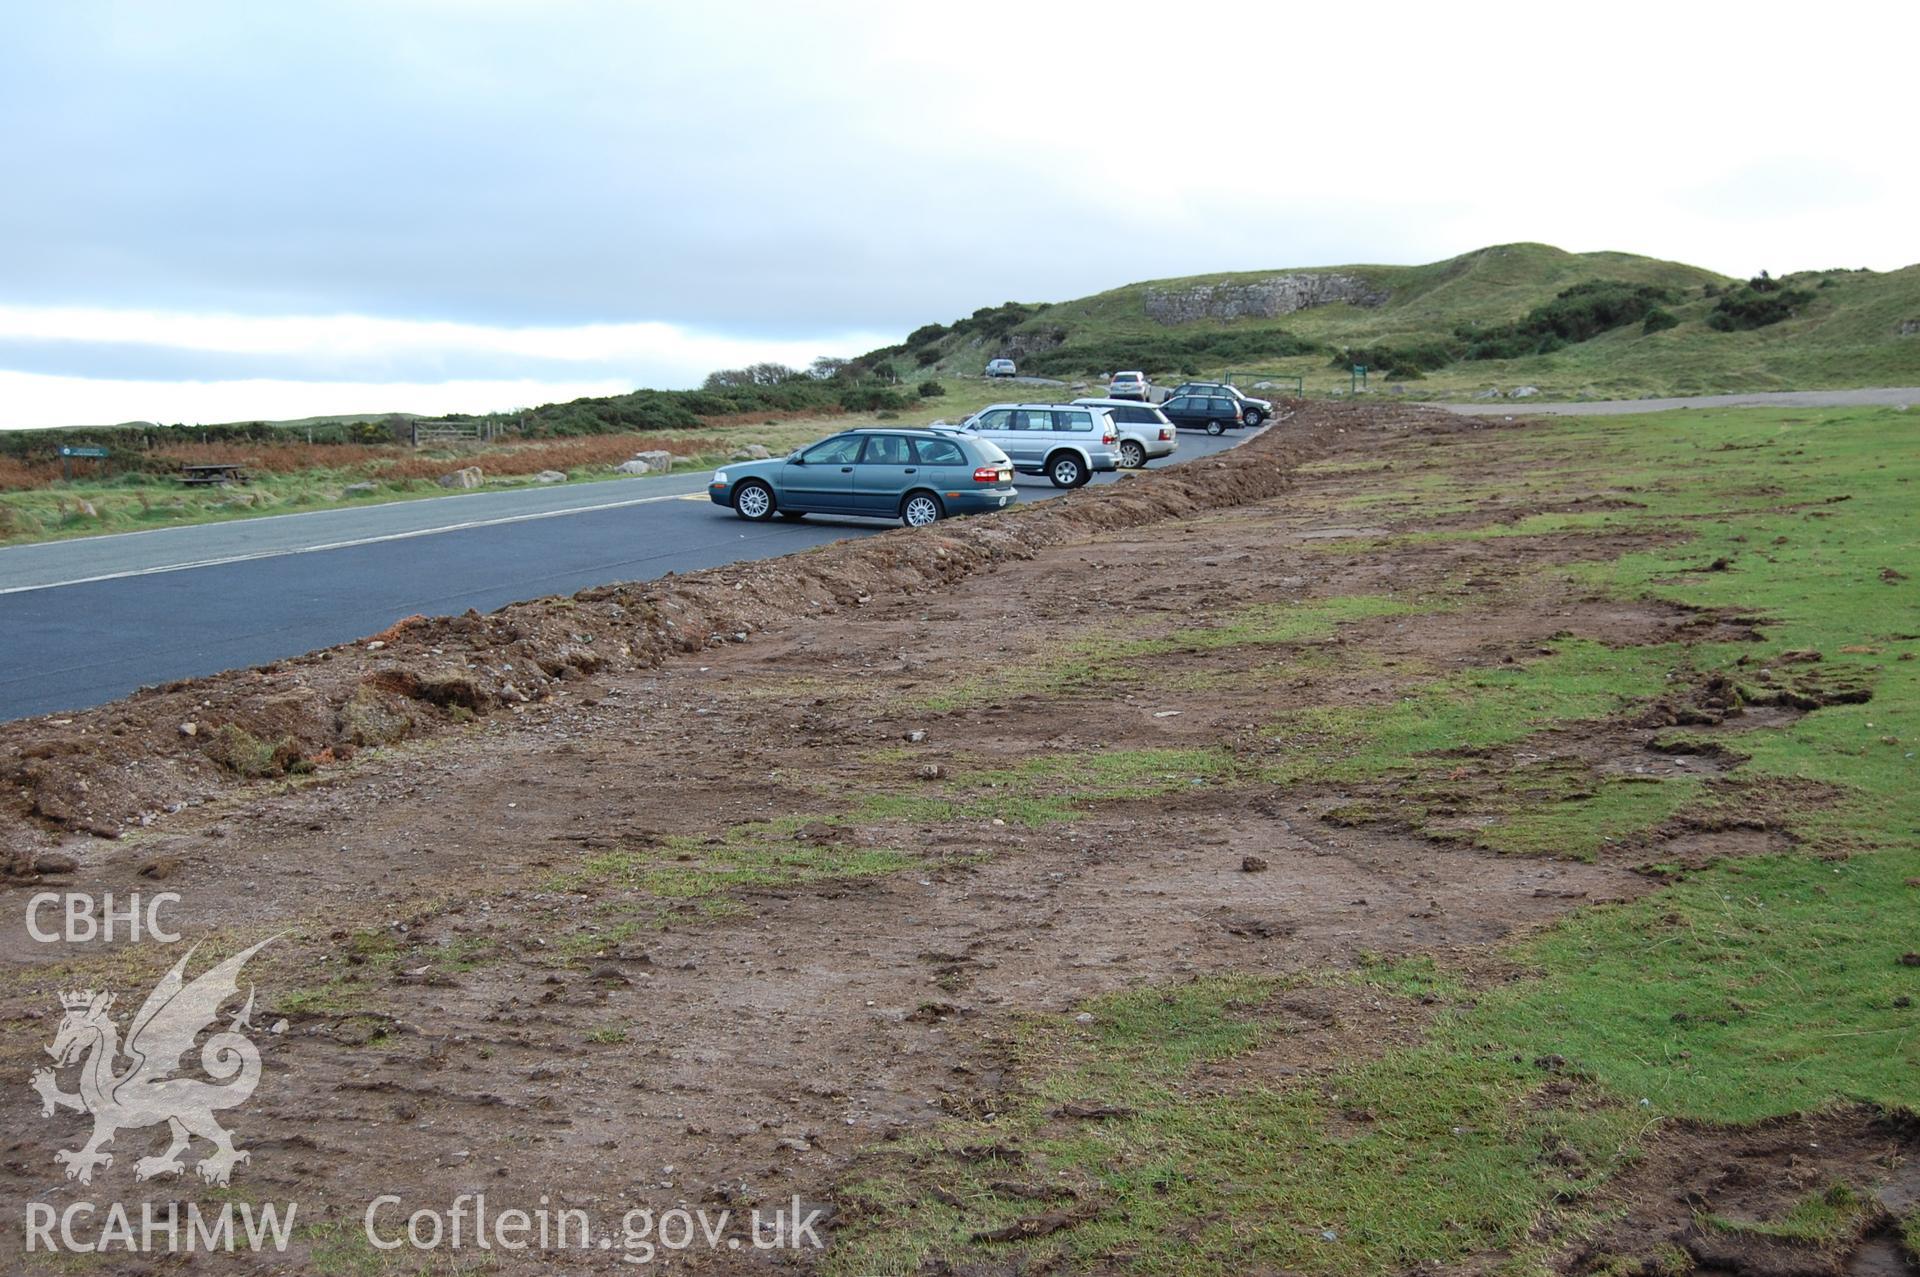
367,962
1813,512
1824,1218
1758,988
1412,976
1580,825
703,875
1265,623
1425,1155
1475,710
1114,653
755,854
1053,787
1743,990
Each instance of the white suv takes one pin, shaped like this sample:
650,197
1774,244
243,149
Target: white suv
1128,385
1068,443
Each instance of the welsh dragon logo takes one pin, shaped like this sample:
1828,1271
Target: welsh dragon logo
131,1086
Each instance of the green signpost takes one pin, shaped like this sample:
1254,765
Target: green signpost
1359,378
68,451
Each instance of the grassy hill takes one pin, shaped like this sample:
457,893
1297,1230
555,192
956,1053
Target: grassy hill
1844,328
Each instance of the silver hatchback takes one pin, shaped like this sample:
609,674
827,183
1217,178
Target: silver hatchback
1145,433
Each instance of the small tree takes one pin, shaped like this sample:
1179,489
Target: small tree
762,374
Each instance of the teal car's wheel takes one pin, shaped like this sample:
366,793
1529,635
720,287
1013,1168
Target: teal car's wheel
1253,417
1066,471
920,509
753,501
1215,428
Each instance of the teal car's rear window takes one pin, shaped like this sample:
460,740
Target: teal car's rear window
939,452
885,450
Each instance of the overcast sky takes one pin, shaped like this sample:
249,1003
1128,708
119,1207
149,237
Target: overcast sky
222,210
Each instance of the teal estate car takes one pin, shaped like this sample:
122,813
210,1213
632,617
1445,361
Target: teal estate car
914,476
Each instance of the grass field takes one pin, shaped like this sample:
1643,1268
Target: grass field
1746,989
1346,882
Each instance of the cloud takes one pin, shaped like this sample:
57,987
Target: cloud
347,338
34,400
774,172
91,365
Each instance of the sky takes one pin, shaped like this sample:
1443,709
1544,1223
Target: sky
220,211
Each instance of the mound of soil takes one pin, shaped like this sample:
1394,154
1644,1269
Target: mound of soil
121,765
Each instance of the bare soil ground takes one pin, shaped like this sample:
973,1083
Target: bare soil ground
646,897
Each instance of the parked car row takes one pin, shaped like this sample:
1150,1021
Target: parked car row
922,476
1252,411
1215,414
1198,406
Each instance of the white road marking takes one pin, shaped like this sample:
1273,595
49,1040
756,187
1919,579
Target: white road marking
345,545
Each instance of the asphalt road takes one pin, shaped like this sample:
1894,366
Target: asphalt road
1765,399
86,621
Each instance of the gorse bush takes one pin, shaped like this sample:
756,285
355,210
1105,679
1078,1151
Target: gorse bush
871,399
1578,314
996,321
931,390
1761,301
929,342
1407,359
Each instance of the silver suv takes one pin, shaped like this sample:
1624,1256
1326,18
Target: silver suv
1068,443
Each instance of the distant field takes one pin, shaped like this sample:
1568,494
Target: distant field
293,476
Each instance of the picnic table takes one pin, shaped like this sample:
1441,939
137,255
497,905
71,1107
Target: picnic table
220,473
